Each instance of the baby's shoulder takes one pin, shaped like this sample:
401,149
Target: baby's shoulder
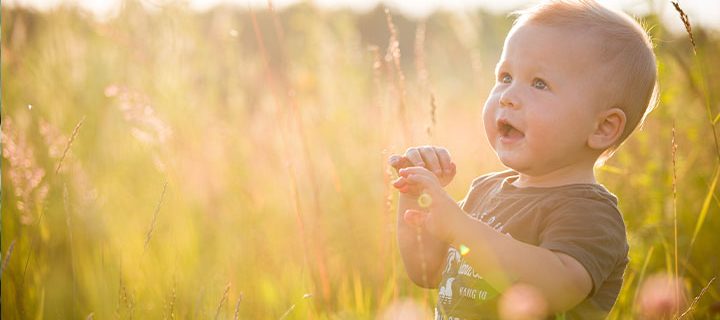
583,195
590,204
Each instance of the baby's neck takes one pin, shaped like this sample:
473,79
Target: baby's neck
559,177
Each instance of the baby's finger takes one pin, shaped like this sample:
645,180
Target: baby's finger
432,162
414,156
429,184
394,160
450,172
399,162
402,185
445,159
399,182
404,163
405,172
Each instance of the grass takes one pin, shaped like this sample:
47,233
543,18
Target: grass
269,131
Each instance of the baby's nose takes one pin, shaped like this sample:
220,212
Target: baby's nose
509,99
508,103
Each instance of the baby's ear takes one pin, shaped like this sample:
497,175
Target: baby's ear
608,129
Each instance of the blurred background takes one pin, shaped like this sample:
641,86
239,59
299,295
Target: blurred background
165,159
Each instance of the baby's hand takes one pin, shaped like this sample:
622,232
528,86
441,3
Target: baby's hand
438,213
436,159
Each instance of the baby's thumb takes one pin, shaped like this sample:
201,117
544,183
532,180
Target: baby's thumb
399,162
415,217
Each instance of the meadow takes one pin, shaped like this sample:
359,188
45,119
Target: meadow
231,164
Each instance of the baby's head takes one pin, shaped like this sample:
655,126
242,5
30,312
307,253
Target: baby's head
573,81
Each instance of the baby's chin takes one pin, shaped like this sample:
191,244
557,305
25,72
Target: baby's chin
509,160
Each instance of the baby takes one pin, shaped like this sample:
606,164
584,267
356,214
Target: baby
573,81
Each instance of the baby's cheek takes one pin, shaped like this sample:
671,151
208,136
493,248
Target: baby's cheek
489,123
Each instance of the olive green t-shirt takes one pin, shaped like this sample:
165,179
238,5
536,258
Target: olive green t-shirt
580,220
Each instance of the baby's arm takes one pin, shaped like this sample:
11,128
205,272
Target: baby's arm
423,255
501,260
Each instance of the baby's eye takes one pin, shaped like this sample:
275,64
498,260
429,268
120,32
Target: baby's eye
505,78
539,84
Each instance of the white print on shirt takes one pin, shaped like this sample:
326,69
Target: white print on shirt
453,256
446,291
492,219
498,226
473,293
466,270
482,216
446,294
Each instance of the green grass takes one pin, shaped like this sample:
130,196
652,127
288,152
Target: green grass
277,202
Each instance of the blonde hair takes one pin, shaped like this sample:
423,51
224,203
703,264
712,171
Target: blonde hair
627,51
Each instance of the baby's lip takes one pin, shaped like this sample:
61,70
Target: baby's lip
504,126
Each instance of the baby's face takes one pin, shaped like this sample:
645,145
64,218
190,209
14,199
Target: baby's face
546,99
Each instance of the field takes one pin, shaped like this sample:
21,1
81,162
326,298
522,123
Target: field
231,164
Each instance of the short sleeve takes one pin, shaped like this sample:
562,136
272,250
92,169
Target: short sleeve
590,231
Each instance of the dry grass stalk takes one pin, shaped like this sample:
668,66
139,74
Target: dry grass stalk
155,215
317,233
68,223
171,304
686,22
69,142
237,307
420,66
696,299
422,72
298,210
292,307
393,54
309,244
377,74
287,312
7,256
674,203
124,298
388,216
433,120
270,80
699,88
388,226
222,300
278,26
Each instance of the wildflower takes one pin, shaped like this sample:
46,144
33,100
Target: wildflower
26,176
660,297
522,301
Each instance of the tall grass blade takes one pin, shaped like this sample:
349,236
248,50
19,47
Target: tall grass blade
705,207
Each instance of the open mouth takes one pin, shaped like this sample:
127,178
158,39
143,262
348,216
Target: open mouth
507,130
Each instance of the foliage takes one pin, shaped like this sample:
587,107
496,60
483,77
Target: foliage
172,164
